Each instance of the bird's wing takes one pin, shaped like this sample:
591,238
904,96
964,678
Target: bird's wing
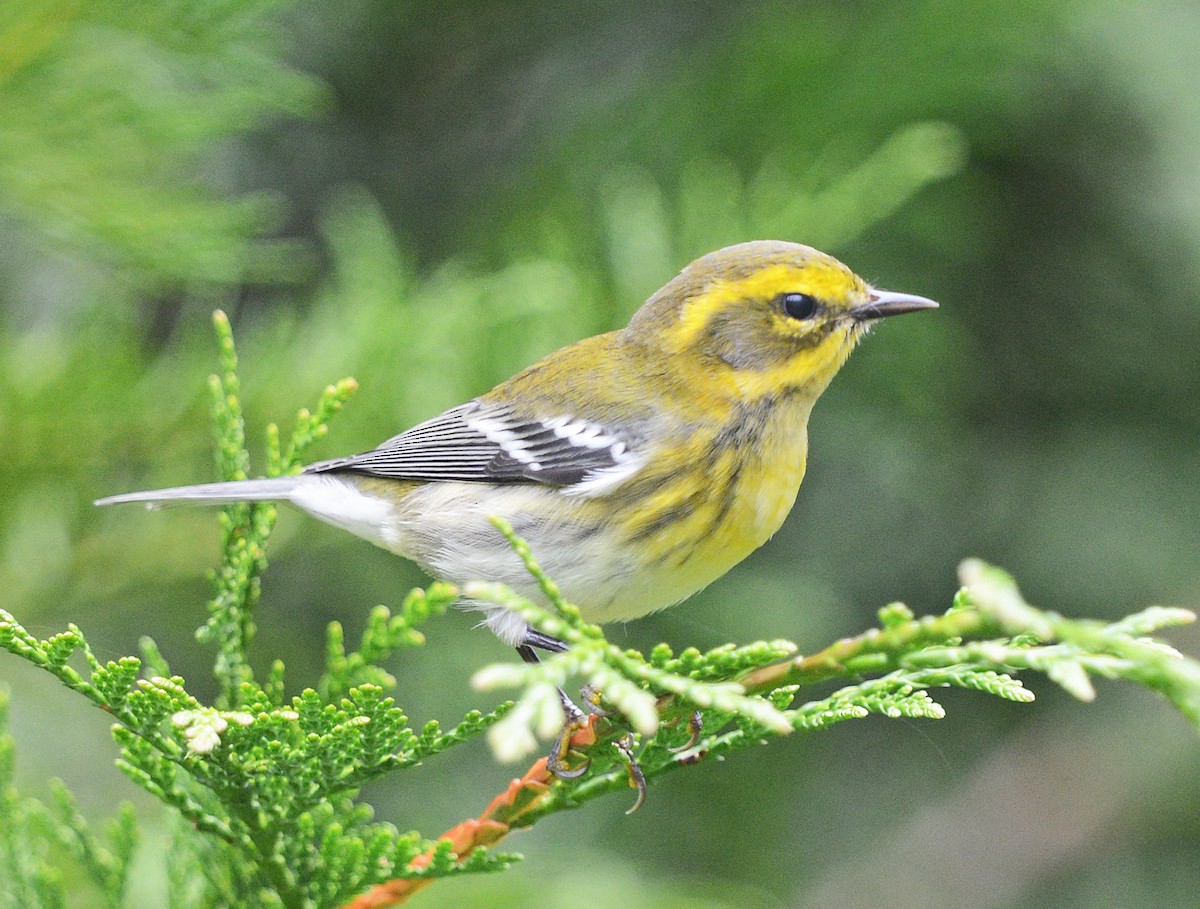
488,443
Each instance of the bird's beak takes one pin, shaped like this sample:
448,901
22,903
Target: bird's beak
889,303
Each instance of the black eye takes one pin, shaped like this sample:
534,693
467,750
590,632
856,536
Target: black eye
799,306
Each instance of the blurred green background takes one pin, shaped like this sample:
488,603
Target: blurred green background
429,196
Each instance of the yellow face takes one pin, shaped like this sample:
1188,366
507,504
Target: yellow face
763,318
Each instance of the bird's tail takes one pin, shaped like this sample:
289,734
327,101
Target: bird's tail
264,490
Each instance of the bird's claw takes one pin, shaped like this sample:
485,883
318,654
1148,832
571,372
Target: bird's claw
637,779
573,721
695,727
591,697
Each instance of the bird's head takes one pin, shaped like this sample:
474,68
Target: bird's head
765,317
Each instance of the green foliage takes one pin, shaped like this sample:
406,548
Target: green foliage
383,635
268,785
108,106
713,205
246,526
272,779
748,695
35,838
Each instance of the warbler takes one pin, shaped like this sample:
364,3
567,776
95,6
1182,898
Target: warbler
639,465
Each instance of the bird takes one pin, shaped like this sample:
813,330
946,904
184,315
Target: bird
639,465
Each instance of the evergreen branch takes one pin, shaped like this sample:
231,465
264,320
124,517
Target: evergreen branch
244,529
514,808
632,684
903,659
1015,636
312,426
247,525
875,649
29,831
108,867
1117,650
383,635
267,783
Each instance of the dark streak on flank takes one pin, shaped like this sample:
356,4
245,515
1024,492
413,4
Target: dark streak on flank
683,510
680,512
728,495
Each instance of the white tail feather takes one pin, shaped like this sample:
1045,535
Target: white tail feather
269,489
327,497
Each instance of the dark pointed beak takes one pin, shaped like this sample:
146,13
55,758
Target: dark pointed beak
888,303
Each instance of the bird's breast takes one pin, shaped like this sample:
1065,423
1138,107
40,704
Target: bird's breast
689,526
756,488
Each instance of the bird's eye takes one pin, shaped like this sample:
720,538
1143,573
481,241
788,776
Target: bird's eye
799,306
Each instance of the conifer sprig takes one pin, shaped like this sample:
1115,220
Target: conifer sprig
267,784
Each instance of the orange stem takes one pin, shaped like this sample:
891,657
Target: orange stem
508,811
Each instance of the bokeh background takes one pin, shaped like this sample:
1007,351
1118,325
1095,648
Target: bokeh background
429,196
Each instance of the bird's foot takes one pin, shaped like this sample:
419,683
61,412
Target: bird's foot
575,720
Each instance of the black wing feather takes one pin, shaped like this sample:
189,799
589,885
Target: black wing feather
488,444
